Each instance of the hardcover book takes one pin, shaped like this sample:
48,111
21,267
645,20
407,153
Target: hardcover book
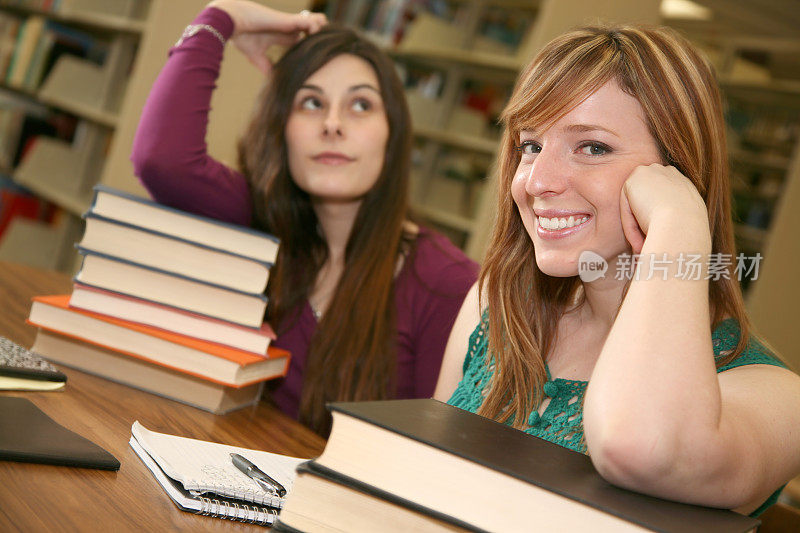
433,459
144,375
167,253
206,360
144,213
165,288
113,304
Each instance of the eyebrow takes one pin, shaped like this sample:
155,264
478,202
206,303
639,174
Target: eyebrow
581,128
354,88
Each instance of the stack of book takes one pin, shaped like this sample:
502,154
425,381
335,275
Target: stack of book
421,465
168,302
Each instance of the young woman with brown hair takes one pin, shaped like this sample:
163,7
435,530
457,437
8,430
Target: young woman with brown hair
614,144
361,297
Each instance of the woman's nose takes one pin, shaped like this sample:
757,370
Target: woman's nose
547,174
332,126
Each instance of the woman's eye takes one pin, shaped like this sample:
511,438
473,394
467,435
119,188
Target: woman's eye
594,148
311,103
361,105
529,148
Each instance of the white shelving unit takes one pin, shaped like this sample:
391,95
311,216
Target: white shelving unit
451,49
140,34
64,172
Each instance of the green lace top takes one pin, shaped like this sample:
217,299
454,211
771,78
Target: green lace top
562,420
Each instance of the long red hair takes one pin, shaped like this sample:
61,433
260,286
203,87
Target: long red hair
677,89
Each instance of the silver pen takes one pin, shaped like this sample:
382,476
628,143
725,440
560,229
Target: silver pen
256,474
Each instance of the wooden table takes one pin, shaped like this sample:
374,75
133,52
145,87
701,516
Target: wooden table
55,498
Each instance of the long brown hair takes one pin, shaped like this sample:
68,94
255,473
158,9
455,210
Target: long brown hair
677,89
352,353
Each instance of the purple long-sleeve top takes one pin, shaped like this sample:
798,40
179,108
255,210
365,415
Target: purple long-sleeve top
171,159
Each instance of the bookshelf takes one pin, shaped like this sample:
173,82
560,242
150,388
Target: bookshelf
459,65
104,100
71,58
237,88
764,114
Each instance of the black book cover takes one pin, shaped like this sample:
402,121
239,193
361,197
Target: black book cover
536,461
28,435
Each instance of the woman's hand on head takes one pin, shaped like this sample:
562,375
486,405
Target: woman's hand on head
257,27
656,195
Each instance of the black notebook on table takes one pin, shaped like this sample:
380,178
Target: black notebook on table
28,435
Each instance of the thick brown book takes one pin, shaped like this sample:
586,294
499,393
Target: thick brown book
206,360
324,500
167,318
156,379
477,474
28,435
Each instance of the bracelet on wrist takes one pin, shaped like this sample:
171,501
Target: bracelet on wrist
194,29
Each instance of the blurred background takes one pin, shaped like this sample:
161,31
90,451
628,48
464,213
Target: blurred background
75,73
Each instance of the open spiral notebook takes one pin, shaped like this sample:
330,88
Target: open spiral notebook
200,477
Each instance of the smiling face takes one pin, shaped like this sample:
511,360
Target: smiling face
337,131
568,183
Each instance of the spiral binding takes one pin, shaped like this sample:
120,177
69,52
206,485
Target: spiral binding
236,493
250,514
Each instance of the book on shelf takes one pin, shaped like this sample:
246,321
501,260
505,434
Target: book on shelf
200,477
168,253
9,30
40,5
167,288
23,369
103,302
143,213
429,457
10,128
205,360
36,68
351,12
27,39
40,128
54,41
73,41
143,375
77,70
15,202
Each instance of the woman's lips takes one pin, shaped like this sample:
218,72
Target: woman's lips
332,158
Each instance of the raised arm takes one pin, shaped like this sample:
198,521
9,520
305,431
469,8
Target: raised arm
657,416
169,151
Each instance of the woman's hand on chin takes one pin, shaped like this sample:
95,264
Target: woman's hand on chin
257,27
659,197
